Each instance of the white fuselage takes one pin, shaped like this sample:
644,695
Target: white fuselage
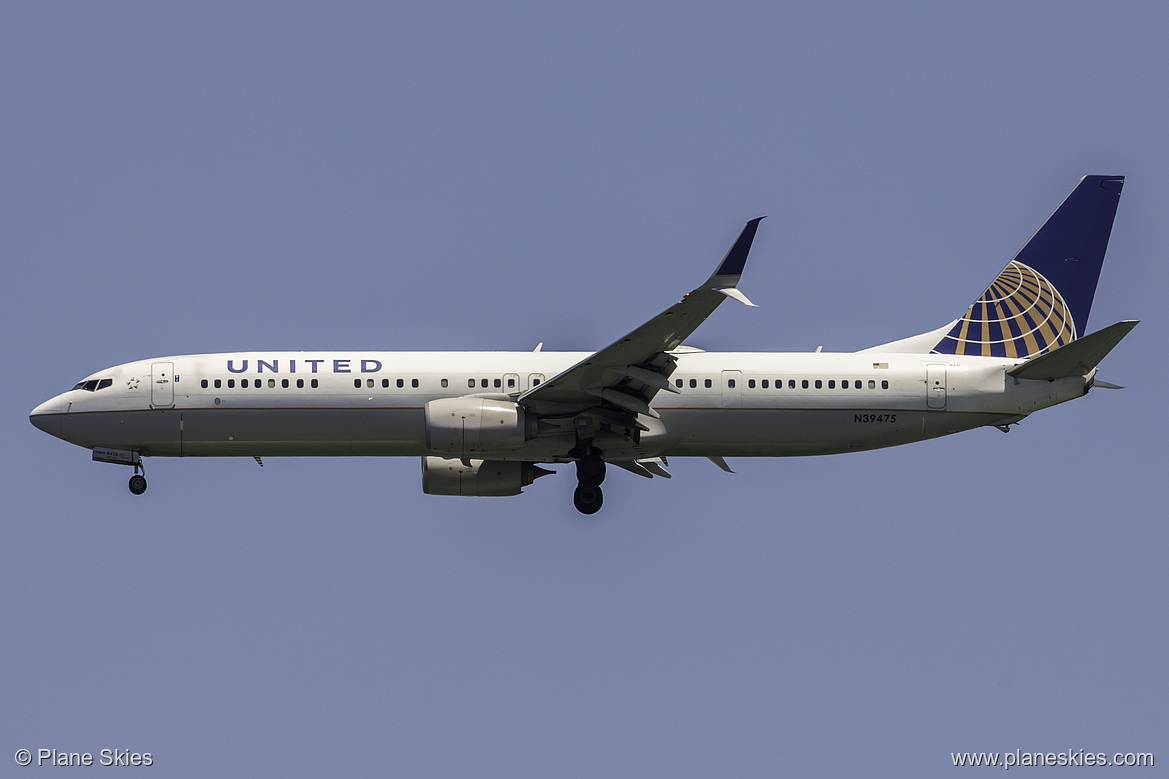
372,403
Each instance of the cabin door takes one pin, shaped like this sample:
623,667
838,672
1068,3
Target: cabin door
935,386
162,385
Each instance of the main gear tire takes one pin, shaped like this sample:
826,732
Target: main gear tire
588,499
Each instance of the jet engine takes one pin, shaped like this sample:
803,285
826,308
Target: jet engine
456,427
477,477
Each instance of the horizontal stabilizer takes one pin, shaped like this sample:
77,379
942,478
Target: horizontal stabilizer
1077,358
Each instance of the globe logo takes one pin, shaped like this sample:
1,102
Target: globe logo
1021,314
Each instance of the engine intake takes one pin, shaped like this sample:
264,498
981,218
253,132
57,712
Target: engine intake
457,427
477,478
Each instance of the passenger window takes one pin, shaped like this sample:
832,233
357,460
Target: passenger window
750,384
470,383
203,384
819,384
357,383
765,384
300,383
231,383
707,383
314,384
400,383
678,383
497,383
884,384
693,383
804,383
385,383
284,383
414,383
731,383
271,383
844,384
857,384
369,383
444,383
832,384
243,383
218,383
511,383
872,384
258,383
483,383
791,384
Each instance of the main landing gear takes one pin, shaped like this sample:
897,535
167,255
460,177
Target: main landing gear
590,472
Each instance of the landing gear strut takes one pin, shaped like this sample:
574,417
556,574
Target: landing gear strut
138,480
590,473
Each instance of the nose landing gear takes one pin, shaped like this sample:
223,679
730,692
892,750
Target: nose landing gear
138,480
103,454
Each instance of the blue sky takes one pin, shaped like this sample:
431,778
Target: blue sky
448,176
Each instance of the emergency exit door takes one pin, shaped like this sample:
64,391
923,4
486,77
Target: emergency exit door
732,389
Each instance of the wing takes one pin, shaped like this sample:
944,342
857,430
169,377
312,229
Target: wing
621,380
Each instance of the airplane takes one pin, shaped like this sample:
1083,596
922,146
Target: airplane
484,422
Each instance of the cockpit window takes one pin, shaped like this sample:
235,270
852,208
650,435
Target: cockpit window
93,384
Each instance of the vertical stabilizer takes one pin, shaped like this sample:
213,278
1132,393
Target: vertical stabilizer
1042,299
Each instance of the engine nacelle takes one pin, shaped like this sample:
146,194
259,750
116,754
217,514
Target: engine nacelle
441,476
457,427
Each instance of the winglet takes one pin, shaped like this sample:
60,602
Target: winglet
728,271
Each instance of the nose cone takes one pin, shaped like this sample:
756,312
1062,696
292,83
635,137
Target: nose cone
47,416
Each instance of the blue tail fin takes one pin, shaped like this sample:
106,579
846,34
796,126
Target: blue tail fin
1041,300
